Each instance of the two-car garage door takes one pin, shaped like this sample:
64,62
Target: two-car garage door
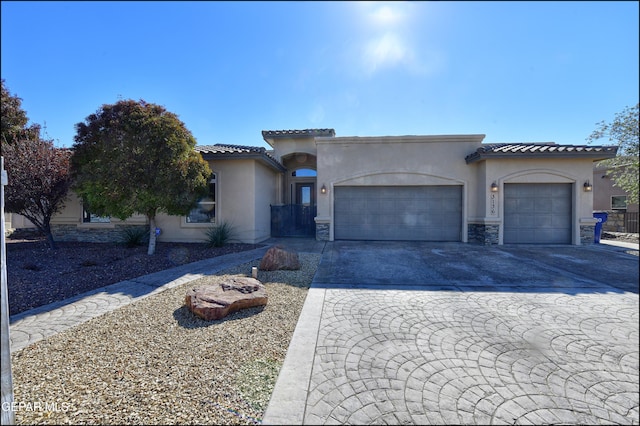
409,213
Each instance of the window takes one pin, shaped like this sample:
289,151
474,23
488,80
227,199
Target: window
205,212
618,202
304,173
88,217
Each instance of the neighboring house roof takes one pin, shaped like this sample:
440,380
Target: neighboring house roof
272,134
622,161
540,150
236,152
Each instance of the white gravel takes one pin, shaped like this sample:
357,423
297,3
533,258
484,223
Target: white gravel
153,362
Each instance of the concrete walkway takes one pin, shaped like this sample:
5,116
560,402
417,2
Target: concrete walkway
519,335
36,324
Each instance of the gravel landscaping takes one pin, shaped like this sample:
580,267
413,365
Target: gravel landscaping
154,362
38,275
620,236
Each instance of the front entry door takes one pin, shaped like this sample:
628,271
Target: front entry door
305,194
306,205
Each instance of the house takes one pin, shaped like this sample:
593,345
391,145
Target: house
609,198
424,188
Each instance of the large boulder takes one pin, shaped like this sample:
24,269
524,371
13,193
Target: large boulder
215,301
278,258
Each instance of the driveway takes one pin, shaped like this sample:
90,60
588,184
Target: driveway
433,333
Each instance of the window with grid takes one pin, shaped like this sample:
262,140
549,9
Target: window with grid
205,211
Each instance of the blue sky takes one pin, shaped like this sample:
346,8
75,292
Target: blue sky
515,71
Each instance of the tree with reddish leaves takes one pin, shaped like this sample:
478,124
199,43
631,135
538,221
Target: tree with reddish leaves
39,180
39,173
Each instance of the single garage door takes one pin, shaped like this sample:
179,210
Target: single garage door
537,213
402,213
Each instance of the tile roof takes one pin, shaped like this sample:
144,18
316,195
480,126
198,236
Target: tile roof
305,132
239,151
543,149
229,149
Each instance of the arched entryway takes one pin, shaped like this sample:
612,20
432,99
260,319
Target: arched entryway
295,218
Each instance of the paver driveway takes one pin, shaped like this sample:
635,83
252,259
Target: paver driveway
426,333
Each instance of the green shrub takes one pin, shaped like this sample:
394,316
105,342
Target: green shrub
219,235
133,237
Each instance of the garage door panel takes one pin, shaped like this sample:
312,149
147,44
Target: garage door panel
543,221
537,213
542,205
422,213
561,191
526,205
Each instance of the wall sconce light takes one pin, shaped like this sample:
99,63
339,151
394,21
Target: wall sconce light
323,190
494,187
587,187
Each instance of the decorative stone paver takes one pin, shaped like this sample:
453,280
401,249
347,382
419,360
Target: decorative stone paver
395,356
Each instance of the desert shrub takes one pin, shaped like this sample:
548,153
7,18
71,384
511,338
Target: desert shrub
133,237
219,235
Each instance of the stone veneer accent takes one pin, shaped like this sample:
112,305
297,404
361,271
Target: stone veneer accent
587,234
483,234
615,222
92,235
322,232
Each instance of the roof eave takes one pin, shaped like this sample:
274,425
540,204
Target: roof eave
594,156
265,159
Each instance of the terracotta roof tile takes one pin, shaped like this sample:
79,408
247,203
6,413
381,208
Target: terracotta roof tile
229,149
543,149
240,150
305,132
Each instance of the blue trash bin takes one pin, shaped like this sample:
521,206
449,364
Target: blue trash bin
602,218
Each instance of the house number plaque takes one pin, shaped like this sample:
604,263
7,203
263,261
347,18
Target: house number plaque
492,205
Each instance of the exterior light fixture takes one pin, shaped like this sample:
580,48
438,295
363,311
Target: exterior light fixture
587,187
494,187
323,190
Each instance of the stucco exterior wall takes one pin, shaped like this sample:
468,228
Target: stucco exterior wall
403,160
71,214
267,188
604,189
246,188
286,146
234,205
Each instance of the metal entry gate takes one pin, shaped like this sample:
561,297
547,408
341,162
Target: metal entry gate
293,220
402,213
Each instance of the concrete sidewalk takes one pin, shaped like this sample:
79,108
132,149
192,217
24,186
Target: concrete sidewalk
623,244
39,323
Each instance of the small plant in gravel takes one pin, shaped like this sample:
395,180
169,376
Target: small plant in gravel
134,237
219,235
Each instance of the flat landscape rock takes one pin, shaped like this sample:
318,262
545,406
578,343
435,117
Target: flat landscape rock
277,258
216,301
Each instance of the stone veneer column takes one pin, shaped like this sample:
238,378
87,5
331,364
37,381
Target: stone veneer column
587,234
322,232
483,234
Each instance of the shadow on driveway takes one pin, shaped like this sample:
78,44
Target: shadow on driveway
459,266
